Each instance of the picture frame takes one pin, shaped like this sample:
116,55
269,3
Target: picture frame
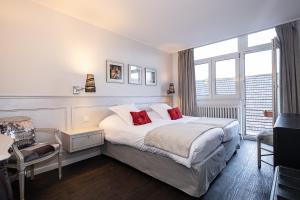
114,72
135,74
150,77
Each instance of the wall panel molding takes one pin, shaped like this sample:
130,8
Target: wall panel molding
65,112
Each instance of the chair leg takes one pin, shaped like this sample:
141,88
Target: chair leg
258,154
21,183
59,166
32,172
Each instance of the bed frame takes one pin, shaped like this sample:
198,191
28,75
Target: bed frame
194,181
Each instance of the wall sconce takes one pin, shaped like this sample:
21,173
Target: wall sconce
89,85
171,89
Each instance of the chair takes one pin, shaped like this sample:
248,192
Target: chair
26,151
264,137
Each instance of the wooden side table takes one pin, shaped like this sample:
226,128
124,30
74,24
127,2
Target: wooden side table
80,139
5,186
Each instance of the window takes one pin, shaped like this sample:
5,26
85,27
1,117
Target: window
262,37
240,71
216,49
225,77
202,77
217,66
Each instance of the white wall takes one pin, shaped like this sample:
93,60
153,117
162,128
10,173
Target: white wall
44,53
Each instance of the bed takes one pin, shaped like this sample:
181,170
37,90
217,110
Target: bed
192,174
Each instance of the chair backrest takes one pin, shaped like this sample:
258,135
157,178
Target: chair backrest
19,128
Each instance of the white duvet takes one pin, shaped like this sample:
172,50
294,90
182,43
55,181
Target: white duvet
118,132
230,130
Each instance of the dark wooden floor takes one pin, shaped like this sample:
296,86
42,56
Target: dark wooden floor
104,178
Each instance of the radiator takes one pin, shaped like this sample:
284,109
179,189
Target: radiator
227,111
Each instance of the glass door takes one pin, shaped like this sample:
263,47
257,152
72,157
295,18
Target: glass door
258,92
261,95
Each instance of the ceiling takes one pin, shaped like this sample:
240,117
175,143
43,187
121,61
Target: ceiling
173,25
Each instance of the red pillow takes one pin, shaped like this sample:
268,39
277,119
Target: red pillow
175,113
140,118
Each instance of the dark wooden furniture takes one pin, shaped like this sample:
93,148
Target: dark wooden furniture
286,184
5,187
287,141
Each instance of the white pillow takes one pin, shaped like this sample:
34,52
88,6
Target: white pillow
124,112
153,115
110,123
162,110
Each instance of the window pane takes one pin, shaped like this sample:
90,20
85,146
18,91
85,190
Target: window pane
201,72
262,37
225,77
216,49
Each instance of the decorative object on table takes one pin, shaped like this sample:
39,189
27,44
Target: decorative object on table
171,89
135,74
150,76
26,151
89,85
5,186
114,72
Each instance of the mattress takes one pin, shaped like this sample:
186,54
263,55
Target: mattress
118,132
230,131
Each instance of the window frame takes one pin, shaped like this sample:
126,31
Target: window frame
212,76
201,62
246,40
236,57
218,43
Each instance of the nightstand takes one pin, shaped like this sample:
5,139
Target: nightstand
79,139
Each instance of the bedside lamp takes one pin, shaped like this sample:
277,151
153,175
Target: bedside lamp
89,85
171,89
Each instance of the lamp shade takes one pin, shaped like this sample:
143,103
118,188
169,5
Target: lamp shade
171,89
90,83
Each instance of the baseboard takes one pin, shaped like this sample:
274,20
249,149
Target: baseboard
66,162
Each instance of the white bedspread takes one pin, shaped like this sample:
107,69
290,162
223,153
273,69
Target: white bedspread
118,132
230,130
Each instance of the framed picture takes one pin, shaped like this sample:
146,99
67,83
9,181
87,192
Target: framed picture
114,72
150,76
135,74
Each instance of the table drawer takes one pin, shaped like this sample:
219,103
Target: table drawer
86,141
